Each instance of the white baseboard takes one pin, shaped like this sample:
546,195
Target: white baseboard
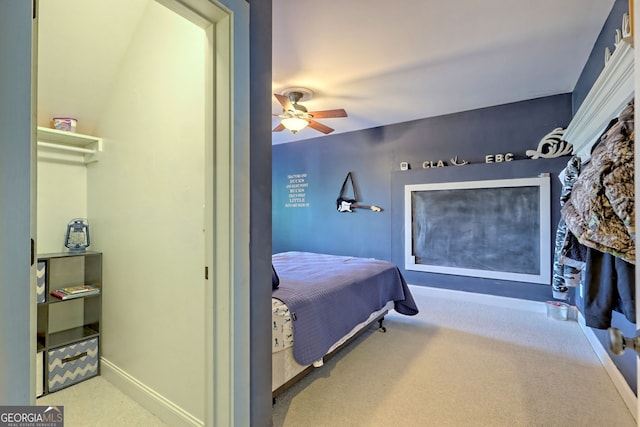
493,300
163,408
627,394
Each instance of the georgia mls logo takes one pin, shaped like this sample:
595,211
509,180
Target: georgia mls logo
31,416
54,414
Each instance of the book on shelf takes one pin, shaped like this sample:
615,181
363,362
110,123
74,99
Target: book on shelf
75,292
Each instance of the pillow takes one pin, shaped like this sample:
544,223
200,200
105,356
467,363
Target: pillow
275,280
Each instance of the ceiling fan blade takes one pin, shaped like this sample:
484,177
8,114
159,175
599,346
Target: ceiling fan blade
320,127
279,128
284,101
328,114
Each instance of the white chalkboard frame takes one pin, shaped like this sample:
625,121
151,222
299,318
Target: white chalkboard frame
543,276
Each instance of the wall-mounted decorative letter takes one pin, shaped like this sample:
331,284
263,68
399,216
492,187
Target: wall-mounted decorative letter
456,162
498,158
430,164
627,34
624,34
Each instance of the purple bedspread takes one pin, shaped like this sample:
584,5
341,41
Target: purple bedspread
328,295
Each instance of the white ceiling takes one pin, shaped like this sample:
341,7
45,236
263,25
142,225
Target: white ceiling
383,62
388,62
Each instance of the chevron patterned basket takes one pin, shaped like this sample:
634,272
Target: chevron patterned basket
41,271
73,363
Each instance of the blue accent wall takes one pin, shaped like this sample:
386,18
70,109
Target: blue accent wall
316,169
595,63
260,220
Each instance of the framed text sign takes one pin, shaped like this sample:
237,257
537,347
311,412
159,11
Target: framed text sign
496,229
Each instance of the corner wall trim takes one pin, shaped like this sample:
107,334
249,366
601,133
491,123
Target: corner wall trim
613,89
149,399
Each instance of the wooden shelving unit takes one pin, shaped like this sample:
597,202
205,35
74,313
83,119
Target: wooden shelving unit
64,325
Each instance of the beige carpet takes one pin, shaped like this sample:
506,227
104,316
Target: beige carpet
460,364
95,402
455,364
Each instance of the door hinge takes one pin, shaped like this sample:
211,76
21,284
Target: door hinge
206,273
33,252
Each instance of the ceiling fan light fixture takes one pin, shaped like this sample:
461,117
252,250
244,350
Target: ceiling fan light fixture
295,124
296,117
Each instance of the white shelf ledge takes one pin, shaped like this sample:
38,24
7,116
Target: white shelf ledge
69,142
611,92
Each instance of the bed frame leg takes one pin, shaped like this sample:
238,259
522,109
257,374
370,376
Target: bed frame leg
380,327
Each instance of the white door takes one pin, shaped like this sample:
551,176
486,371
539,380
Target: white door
17,305
226,207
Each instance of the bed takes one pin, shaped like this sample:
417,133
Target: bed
322,302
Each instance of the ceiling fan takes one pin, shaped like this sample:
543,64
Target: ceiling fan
295,117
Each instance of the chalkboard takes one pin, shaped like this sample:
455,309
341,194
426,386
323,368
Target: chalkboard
495,229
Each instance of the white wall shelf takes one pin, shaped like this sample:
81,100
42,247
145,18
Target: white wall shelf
84,147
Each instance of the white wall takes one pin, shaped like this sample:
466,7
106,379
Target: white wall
144,201
62,196
145,204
